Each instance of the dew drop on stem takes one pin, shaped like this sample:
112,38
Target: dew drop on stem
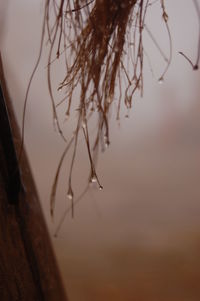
161,80
93,179
70,194
84,124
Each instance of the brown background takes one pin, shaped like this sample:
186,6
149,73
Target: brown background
139,238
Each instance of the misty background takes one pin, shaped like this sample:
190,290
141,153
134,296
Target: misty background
139,238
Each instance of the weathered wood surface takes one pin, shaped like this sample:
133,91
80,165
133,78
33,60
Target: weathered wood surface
28,269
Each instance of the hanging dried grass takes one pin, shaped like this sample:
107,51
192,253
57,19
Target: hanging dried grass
101,36
98,35
102,42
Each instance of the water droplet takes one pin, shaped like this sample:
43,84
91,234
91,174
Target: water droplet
161,80
93,179
107,143
100,187
70,194
84,124
67,115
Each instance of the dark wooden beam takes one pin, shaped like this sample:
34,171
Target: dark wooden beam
28,269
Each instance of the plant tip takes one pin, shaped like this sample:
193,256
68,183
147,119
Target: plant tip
161,80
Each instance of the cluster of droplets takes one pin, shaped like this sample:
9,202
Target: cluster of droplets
113,61
106,141
93,180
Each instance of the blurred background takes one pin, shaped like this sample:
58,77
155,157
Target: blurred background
139,238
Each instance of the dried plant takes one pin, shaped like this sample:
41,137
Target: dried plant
102,45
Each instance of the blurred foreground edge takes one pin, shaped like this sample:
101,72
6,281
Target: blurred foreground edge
28,269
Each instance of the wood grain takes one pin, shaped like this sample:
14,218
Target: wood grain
28,269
